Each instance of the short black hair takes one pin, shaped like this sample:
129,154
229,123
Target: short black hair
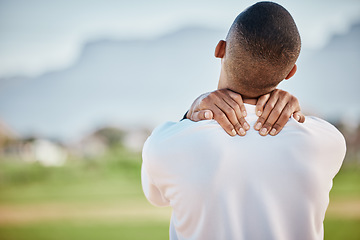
263,45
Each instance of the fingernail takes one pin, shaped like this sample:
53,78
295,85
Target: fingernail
207,115
246,126
242,131
258,126
244,113
263,131
273,131
297,117
258,113
233,132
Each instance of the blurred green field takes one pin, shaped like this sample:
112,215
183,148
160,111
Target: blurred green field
102,199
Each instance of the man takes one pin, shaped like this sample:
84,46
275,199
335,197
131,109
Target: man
253,186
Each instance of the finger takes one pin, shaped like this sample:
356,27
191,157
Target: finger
234,100
223,121
222,108
261,103
294,106
238,99
283,119
239,123
299,116
267,110
197,104
187,115
274,115
229,107
202,115
242,113
245,125
231,116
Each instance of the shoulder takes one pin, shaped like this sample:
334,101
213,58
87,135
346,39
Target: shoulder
315,142
323,129
172,137
167,130
161,136
321,135
178,131
315,135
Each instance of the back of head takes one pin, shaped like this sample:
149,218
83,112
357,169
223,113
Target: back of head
262,47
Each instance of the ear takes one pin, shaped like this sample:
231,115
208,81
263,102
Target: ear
220,49
292,72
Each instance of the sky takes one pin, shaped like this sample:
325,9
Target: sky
41,35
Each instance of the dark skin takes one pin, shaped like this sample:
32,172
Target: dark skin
227,107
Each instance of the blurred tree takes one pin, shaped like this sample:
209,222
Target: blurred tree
113,136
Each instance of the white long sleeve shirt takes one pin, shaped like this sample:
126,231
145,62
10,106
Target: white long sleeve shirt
243,188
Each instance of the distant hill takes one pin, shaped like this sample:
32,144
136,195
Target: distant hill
145,82
328,80
139,82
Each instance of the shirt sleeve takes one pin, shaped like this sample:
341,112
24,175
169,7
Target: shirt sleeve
151,190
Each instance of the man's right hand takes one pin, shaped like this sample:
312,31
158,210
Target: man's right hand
227,108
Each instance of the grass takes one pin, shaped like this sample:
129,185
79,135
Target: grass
347,182
85,199
102,199
341,228
342,219
60,230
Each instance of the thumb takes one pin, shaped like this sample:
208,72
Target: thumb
299,116
202,115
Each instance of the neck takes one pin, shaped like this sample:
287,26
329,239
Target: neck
251,101
222,84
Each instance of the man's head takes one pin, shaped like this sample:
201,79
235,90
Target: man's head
260,51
